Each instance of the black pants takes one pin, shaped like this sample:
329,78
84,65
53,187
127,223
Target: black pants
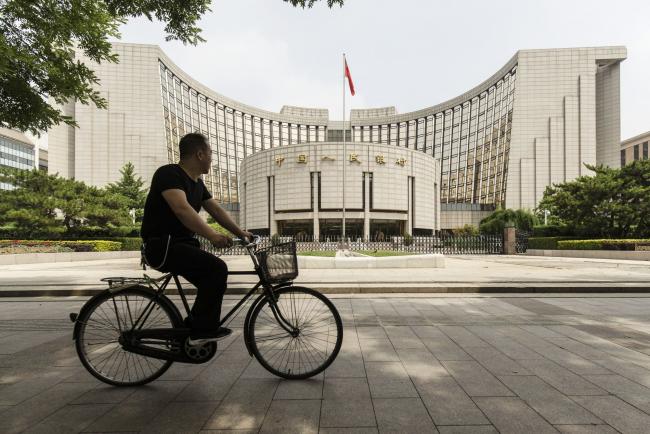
205,271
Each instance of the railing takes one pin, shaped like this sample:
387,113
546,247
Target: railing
447,245
521,241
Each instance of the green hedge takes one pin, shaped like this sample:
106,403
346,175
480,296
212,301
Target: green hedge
128,243
546,243
551,231
604,244
77,246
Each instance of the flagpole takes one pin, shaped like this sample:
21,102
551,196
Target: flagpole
344,152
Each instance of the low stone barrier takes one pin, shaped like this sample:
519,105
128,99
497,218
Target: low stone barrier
435,260
41,258
630,255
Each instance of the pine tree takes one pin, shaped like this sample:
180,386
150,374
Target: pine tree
131,187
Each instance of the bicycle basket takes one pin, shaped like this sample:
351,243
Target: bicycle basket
278,263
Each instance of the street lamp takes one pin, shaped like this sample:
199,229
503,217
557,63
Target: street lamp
546,214
132,214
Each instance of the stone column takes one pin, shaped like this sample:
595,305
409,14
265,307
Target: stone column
366,207
314,176
509,240
274,225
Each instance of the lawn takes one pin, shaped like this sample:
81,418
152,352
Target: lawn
376,253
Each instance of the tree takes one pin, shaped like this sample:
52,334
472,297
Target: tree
130,188
495,223
310,3
37,50
611,203
42,205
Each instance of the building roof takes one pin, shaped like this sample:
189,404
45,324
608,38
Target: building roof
636,139
16,135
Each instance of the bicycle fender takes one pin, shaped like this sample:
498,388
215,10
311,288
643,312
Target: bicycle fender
247,332
77,324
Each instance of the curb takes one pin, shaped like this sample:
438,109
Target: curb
17,292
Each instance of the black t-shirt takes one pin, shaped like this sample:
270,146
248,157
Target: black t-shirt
159,220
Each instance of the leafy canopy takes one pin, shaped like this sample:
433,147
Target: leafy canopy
39,70
614,203
495,223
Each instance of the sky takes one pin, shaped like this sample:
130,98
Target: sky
410,54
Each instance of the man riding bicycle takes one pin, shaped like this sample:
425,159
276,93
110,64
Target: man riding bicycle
170,221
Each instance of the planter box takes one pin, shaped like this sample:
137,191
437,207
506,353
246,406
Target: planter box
41,258
630,255
411,261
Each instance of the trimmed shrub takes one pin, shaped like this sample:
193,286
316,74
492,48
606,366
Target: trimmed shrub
77,246
546,243
467,230
603,244
128,243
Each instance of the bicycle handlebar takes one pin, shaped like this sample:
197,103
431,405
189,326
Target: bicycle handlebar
254,242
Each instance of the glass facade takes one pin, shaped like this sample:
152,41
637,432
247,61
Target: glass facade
15,154
232,133
471,139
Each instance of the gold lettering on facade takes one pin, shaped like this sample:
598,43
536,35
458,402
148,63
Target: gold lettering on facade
327,158
379,159
401,162
354,158
279,160
302,158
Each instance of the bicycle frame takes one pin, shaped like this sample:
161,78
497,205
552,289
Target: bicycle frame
268,290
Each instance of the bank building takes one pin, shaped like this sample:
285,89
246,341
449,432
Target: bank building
534,122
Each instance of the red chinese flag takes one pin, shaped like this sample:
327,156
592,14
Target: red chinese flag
347,74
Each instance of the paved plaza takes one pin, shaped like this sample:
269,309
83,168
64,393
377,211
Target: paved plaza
409,364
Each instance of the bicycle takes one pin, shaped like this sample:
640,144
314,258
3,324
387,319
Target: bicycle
131,333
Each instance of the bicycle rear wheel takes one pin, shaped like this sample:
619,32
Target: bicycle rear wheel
101,322
310,347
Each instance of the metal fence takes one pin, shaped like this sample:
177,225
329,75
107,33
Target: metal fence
447,245
521,241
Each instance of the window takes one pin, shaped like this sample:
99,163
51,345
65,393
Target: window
645,150
622,157
636,152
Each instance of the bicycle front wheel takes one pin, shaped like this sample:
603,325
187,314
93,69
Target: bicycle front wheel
312,343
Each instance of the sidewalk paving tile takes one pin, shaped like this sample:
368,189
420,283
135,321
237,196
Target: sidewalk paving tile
311,388
378,350
495,361
20,417
421,366
138,410
403,415
475,379
468,429
547,401
561,378
178,417
292,417
448,403
69,419
627,390
616,413
586,429
513,416
245,405
347,403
